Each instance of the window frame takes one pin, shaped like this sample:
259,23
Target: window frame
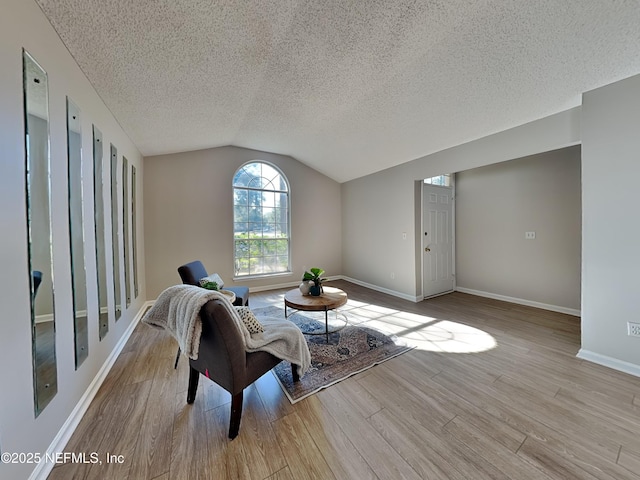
442,180
234,187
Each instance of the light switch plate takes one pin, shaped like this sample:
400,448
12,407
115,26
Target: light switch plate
530,235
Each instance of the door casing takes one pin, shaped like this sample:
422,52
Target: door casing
425,240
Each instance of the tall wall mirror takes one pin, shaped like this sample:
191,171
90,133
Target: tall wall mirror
36,120
115,238
98,212
126,217
134,224
76,233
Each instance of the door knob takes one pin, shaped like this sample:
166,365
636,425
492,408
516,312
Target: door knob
427,249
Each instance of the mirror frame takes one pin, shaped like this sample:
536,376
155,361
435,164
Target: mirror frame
76,233
39,232
115,237
134,233
99,230
126,216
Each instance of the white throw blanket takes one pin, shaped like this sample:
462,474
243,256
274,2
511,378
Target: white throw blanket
177,310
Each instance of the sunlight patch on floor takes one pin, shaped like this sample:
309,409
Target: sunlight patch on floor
451,337
423,332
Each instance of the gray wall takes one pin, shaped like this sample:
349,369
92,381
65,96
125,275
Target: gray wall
611,222
608,126
378,208
497,204
189,216
22,25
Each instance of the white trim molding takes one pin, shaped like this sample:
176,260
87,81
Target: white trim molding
614,363
43,469
520,301
295,284
404,296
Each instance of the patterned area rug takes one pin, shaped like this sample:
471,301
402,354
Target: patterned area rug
348,351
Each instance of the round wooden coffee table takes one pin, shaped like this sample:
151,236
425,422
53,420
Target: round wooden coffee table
331,299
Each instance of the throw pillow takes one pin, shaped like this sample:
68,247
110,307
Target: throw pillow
214,277
249,319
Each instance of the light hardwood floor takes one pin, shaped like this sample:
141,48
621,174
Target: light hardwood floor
525,409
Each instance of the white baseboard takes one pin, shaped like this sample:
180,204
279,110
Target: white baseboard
520,301
296,283
610,362
293,284
416,299
43,469
381,289
265,288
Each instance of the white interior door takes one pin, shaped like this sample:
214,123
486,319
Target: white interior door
437,240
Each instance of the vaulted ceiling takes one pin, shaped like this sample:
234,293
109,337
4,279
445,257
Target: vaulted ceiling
348,87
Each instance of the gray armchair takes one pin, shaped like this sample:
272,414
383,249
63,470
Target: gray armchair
191,273
223,359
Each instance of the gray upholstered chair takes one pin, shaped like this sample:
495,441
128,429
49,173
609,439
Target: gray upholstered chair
192,272
223,359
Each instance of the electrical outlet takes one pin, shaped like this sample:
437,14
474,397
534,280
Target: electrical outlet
633,329
530,235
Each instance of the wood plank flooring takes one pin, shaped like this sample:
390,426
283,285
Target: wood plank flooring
526,408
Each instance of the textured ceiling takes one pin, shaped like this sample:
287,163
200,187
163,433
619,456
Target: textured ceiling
348,87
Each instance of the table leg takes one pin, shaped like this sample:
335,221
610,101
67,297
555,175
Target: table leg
326,323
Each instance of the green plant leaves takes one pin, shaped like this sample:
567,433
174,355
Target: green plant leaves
314,274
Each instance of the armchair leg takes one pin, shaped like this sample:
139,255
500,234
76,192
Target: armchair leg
194,376
175,365
236,413
294,373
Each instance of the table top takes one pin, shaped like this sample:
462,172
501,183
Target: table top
331,298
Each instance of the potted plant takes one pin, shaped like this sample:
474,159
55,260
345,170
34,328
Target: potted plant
210,285
314,275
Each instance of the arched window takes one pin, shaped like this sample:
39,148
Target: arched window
261,227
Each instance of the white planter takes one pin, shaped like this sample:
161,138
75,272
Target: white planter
304,288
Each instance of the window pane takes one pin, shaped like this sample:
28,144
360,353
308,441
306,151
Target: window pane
268,199
255,248
283,264
255,266
240,214
268,215
255,198
282,229
255,182
242,266
240,196
282,247
266,268
254,229
242,248
242,178
268,230
443,180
